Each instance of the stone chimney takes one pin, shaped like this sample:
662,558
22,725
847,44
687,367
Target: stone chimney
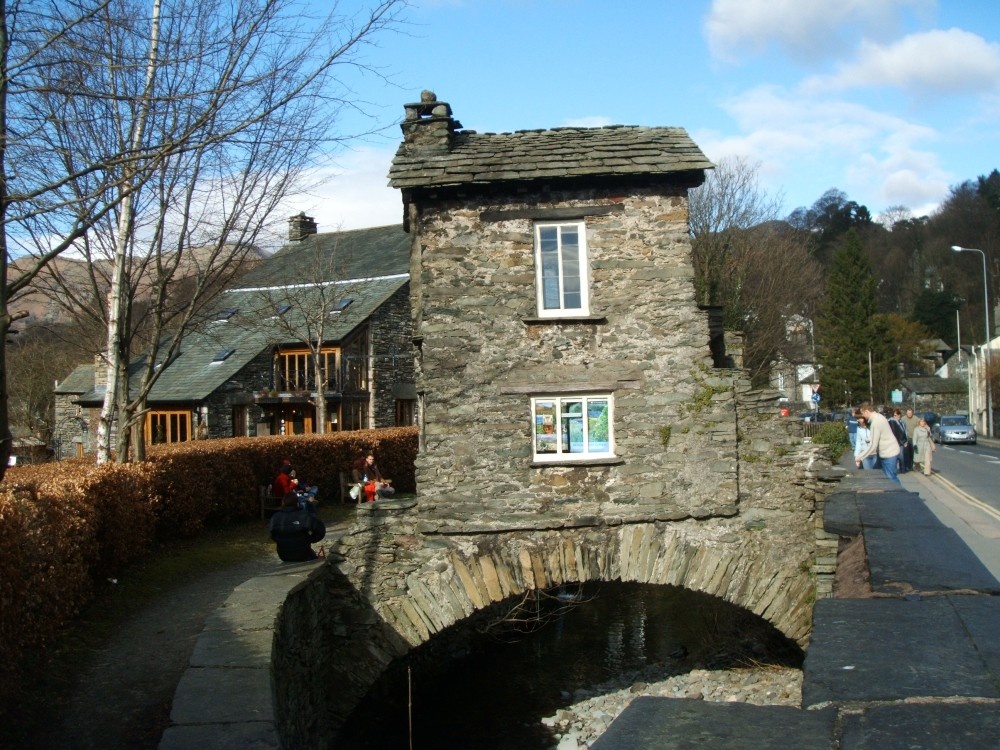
100,371
300,227
428,126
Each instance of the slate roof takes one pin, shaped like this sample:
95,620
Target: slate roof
372,265
480,158
935,385
80,380
352,254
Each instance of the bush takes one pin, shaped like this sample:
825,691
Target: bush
834,435
66,526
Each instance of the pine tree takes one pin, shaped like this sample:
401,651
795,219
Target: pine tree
845,328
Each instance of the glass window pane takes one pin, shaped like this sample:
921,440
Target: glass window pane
572,299
548,253
546,440
597,426
572,434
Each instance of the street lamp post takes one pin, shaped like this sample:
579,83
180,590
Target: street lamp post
986,310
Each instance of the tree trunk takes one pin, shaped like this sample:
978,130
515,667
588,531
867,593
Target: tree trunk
320,380
116,297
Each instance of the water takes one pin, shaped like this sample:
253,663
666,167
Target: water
487,683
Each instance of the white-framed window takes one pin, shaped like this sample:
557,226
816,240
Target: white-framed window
572,428
561,269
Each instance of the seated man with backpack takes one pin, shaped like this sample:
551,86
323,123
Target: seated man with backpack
294,530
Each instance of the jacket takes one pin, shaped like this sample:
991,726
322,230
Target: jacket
884,443
294,530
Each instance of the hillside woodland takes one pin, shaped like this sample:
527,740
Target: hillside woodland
772,276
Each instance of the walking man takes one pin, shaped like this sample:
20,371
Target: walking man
911,422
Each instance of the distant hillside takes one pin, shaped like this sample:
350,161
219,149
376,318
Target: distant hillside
42,300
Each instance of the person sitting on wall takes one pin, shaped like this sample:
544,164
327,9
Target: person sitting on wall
294,530
373,485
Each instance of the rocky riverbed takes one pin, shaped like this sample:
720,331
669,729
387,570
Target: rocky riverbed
595,708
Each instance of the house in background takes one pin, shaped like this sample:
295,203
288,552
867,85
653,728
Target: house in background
939,395
247,368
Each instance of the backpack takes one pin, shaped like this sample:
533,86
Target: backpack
898,430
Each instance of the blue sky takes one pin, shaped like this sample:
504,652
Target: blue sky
890,101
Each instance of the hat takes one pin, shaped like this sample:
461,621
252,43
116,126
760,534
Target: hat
286,462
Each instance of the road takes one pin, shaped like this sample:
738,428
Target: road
964,494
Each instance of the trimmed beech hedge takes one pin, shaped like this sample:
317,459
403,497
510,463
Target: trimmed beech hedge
65,526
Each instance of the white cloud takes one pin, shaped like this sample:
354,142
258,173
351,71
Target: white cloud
807,30
353,194
952,61
806,144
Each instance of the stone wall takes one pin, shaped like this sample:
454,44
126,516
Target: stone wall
71,426
484,351
392,347
249,380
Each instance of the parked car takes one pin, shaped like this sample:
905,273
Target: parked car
812,416
931,417
954,428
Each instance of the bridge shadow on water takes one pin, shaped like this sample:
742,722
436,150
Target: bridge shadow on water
488,681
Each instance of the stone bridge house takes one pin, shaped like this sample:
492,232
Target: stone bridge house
578,420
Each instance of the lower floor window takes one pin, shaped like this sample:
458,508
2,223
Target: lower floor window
572,427
168,427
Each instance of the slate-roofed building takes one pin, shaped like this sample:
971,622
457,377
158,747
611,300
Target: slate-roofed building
248,368
939,395
559,338
72,433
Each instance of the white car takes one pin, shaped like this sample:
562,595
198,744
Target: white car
954,428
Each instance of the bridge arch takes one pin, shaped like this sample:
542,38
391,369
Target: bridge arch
341,629
481,571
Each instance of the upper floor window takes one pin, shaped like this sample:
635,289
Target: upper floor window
296,372
561,269
568,428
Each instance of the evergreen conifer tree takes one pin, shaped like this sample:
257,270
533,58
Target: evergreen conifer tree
845,327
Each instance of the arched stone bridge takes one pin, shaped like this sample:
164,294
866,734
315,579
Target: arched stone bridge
392,586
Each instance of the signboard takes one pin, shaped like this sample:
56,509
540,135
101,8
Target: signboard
897,397
815,398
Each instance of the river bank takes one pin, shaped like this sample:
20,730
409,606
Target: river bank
595,708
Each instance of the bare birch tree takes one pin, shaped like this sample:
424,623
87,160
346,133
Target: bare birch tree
228,104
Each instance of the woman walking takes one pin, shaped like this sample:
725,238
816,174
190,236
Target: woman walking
923,447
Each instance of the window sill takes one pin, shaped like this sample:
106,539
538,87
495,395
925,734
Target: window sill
563,462
566,320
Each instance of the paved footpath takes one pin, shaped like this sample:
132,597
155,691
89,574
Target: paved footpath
914,667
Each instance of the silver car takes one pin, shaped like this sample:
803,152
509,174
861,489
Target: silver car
954,428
